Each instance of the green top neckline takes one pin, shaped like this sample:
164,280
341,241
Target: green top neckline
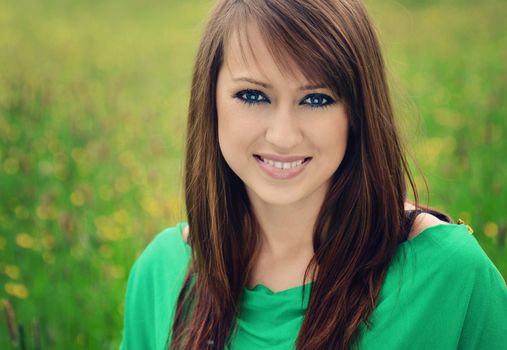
296,291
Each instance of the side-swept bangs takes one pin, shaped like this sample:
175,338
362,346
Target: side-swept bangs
298,37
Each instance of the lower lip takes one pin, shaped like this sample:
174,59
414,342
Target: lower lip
282,174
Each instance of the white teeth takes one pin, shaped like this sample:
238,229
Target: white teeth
282,165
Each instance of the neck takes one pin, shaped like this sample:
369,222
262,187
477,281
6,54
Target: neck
287,230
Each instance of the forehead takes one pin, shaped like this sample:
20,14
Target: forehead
247,51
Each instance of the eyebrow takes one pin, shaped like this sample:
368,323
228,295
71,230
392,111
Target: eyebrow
267,86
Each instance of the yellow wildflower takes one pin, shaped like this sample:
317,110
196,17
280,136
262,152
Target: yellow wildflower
16,289
24,240
11,271
491,229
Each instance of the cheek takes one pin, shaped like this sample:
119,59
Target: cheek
329,137
340,138
237,131
237,124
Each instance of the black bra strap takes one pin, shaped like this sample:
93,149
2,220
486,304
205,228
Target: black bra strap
409,221
412,214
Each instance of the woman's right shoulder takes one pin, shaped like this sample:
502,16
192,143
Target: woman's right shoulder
154,283
163,260
167,249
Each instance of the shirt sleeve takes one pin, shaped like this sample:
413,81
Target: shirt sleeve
485,323
153,286
138,323
446,294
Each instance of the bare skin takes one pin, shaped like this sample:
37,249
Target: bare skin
287,272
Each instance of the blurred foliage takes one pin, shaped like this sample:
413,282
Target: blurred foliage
93,99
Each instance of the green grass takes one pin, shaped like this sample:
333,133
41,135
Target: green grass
93,100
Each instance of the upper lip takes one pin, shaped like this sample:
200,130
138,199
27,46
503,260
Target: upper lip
284,159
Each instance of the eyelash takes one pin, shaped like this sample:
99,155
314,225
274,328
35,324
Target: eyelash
241,97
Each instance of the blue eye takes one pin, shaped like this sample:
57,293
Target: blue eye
317,100
251,96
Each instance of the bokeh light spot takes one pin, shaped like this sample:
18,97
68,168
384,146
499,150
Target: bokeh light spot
77,198
11,271
21,212
16,289
24,240
491,229
11,166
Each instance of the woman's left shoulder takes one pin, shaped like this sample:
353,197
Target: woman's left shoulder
461,271
451,244
449,289
423,222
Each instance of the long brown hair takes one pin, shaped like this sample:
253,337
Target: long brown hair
361,221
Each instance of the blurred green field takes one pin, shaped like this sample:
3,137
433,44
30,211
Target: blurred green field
93,99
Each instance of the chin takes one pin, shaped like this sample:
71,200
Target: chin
279,197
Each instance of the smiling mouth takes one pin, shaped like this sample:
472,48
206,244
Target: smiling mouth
283,165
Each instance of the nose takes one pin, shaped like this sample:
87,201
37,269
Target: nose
284,131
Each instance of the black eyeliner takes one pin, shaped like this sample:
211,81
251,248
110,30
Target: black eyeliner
238,95
330,100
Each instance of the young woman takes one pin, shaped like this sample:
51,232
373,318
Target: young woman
299,232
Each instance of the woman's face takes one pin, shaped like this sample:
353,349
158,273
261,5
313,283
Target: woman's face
281,136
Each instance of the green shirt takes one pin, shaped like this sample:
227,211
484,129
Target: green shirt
444,294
